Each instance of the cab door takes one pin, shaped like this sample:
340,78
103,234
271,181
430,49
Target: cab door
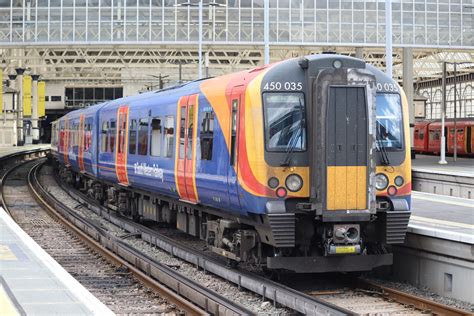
233,173
346,152
121,147
186,148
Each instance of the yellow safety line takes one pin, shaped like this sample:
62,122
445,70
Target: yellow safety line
440,199
440,222
7,308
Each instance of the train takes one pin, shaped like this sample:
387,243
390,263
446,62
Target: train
299,166
427,136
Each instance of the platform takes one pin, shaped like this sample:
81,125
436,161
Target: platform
5,151
456,178
33,283
438,249
460,167
442,216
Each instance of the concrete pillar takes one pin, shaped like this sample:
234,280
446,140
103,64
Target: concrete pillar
12,78
408,86
34,109
359,52
19,126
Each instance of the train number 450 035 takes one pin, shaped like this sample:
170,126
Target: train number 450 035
287,85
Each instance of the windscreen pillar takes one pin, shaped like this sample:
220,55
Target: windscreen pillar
408,87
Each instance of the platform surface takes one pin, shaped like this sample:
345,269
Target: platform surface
33,283
460,167
442,216
4,151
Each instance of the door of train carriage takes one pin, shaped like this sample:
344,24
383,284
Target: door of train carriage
186,148
121,148
234,133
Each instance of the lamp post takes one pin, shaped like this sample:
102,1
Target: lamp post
442,160
388,37
443,113
266,31
200,6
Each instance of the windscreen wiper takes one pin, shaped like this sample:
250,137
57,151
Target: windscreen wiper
294,140
383,152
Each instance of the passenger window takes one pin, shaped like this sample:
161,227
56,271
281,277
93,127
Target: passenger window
156,137
105,127
169,136
207,135
132,138
112,136
143,137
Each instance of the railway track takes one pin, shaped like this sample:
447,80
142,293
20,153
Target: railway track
359,298
368,298
122,288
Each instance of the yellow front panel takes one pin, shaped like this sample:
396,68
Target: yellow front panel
346,188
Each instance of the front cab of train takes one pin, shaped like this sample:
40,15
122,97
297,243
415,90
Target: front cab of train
332,212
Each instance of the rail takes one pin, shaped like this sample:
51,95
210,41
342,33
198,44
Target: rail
17,157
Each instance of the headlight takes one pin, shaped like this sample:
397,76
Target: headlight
381,181
399,181
294,182
273,182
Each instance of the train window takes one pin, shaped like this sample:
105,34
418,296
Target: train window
389,120
132,137
233,135
143,137
169,136
87,135
207,135
156,136
105,127
422,134
182,130
112,136
284,121
122,129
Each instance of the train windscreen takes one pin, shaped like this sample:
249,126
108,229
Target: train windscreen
284,121
389,121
